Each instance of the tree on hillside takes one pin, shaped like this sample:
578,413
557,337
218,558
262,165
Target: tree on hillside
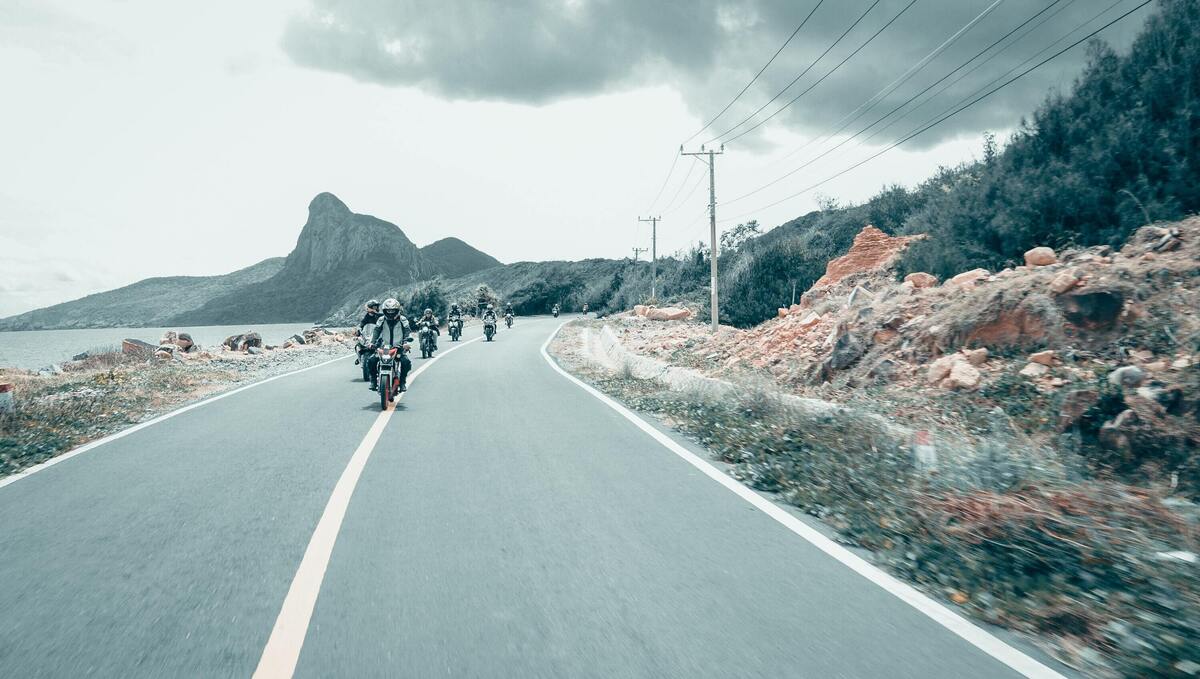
429,296
733,239
1090,166
483,297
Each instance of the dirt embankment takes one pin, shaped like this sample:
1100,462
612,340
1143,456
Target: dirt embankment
1102,346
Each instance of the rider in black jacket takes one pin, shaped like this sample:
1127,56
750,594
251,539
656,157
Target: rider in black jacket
391,330
370,316
428,319
367,325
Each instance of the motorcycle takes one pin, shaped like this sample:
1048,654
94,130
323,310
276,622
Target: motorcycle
508,320
362,346
455,329
489,330
555,312
389,373
426,336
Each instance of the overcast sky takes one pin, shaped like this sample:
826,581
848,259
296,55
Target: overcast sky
143,139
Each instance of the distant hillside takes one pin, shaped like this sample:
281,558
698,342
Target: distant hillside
339,256
532,287
454,258
338,251
151,302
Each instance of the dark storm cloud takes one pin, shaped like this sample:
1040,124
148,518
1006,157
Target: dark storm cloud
537,51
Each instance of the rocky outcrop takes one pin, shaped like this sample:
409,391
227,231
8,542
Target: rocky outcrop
137,348
968,279
668,314
244,341
337,254
920,279
1040,256
873,251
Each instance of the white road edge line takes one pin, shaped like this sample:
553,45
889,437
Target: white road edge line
282,652
137,427
943,616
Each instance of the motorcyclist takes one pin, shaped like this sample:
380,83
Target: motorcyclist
454,316
390,330
427,319
370,316
489,315
367,324
555,311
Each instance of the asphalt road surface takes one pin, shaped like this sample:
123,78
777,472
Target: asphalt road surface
506,523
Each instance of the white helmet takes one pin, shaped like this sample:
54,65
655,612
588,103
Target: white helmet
391,308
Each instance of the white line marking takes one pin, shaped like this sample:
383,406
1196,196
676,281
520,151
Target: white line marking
282,651
943,616
165,416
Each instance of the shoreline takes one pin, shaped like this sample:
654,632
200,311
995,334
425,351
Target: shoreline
43,348
57,412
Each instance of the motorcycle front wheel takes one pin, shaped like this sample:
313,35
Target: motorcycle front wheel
383,393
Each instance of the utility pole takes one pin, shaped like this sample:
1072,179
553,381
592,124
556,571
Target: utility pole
712,223
636,252
653,256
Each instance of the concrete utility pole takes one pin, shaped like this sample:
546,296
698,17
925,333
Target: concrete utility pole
653,256
712,223
636,252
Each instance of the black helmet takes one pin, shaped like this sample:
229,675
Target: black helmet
391,308
373,304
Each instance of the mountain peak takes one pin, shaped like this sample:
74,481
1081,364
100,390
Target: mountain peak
326,202
454,257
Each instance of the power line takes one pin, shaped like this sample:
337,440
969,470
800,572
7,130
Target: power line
682,184
998,78
822,78
690,193
875,99
802,74
664,184
894,110
756,75
951,114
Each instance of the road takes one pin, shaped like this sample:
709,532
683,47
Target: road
506,523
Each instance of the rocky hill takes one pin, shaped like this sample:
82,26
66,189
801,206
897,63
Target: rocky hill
454,258
337,253
340,257
151,302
